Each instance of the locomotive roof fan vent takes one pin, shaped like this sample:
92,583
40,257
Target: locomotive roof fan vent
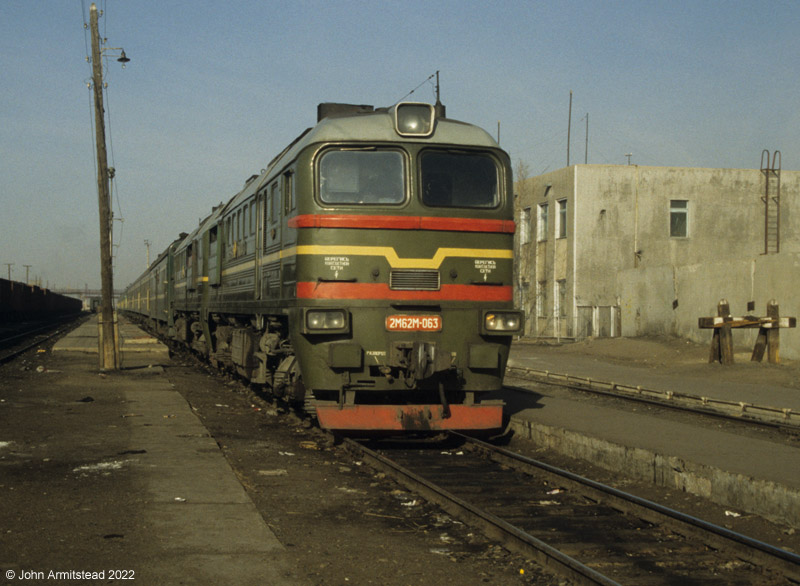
414,119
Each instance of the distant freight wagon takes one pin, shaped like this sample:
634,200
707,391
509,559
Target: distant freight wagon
19,302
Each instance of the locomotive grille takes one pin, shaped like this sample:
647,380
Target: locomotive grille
414,280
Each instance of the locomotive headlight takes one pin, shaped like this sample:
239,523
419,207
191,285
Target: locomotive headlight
505,322
326,320
412,119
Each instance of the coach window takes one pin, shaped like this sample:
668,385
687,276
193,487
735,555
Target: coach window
288,192
455,179
273,202
678,218
361,177
212,242
272,217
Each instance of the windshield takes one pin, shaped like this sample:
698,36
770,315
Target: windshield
458,180
361,177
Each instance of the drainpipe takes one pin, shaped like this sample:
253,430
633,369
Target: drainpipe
574,251
636,217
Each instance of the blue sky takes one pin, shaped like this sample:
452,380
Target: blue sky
215,89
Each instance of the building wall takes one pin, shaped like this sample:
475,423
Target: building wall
622,272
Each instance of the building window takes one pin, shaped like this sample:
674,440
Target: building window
562,298
541,299
541,223
525,226
561,229
678,218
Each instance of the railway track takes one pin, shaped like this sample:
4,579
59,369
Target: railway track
574,527
763,415
14,342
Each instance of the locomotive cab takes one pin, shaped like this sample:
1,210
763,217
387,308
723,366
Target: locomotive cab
404,272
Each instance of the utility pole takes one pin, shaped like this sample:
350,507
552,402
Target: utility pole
569,124
147,244
586,152
107,346
27,272
629,155
9,265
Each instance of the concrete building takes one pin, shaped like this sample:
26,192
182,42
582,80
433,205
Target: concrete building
628,250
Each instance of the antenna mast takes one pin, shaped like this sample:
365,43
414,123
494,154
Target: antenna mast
569,124
439,108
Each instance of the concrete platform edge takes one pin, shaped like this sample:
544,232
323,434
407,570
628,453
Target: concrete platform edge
773,501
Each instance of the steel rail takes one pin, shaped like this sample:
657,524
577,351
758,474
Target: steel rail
494,527
17,351
740,411
753,550
24,334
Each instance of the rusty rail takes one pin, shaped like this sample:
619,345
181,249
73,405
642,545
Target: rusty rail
781,416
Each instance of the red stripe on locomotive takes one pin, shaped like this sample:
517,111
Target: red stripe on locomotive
410,417
323,290
401,223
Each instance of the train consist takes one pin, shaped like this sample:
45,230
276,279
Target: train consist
20,302
365,274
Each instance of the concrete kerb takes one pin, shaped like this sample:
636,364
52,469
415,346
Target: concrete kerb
776,502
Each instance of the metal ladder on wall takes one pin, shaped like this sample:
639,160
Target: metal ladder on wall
772,201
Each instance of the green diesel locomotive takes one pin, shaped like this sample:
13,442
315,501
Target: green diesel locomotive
366,273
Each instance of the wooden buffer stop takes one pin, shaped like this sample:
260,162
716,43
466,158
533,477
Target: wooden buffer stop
768,332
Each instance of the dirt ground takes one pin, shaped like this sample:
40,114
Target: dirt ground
673,355
342,522
349,524
680,359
